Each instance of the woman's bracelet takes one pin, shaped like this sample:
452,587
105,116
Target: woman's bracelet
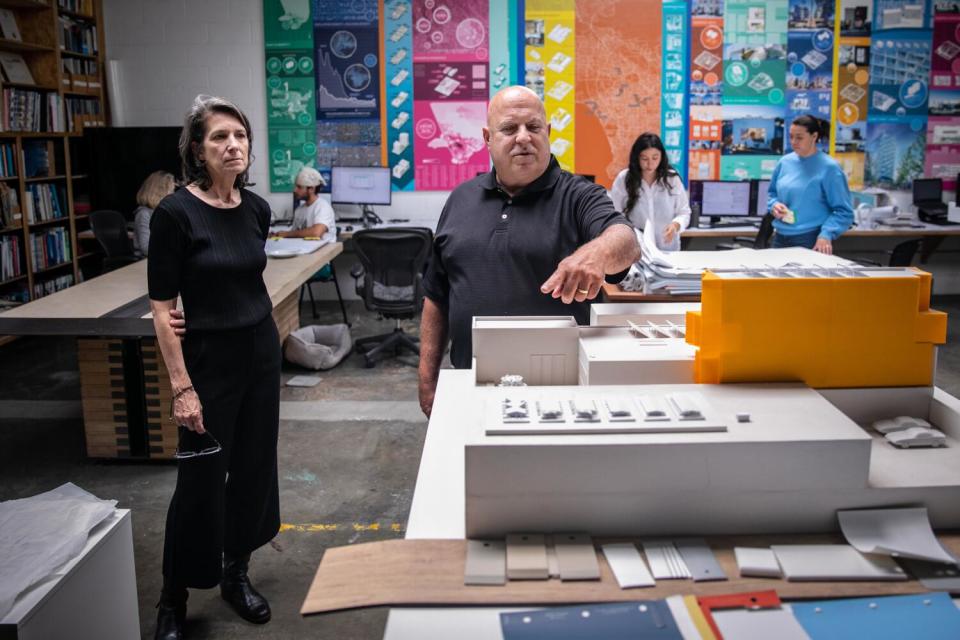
182,391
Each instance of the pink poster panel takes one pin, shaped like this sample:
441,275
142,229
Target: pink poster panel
448,142
450,30
945,61
942,158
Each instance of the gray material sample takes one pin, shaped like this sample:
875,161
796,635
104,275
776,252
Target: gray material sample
486,562
700,560
834,562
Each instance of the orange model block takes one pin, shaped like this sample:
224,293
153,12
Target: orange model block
825,332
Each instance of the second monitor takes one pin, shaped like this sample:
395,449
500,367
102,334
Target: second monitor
364,186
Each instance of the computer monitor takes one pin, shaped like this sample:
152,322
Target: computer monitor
360,185
721,198
759,190
927,190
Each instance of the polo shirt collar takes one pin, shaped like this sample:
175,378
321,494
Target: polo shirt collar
546,180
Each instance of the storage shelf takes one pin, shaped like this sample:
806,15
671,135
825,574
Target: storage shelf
5,178
24,4
49,223
89,254
45,178
10,229
74,14
68,263
24,47
77,54
29,87
12,280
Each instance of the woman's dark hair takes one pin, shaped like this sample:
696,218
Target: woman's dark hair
191,139
635,174
814,125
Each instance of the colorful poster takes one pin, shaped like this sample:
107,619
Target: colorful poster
902,14
755,23
706,61
856,18
895,151
503,44
673,88
899,74
942,159
347,55
617,73
754,74
747,167
852,87
810,60
811,14
291,104
752,130
398,85
945,64
451,89
550,70
853,166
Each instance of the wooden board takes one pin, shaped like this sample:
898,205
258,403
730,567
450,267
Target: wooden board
430,572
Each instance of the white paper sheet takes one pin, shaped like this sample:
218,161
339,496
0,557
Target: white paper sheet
893,532
41,533
759,624
288,247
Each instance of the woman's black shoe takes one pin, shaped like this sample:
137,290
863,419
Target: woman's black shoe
171,613
236,589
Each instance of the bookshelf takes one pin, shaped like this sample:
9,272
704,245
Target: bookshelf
52,59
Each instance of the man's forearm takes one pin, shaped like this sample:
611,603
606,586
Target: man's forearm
617,246
433,339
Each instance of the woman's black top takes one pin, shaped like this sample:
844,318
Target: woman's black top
213,258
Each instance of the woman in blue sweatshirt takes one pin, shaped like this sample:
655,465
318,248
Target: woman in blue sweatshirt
808,197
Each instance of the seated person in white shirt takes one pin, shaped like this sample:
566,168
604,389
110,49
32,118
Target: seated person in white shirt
314,218
650,191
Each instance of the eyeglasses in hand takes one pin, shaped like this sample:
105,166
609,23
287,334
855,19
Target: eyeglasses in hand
210,449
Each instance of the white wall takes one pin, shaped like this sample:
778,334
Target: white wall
168,51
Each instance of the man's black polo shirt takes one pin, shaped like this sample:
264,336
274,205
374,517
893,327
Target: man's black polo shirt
492,251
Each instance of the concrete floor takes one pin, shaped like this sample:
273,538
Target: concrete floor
349,452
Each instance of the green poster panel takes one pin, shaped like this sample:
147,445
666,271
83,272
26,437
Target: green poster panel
754,82
291,90
287,24
291,149
747,167
755,22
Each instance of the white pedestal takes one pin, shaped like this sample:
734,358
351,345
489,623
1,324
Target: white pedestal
94,597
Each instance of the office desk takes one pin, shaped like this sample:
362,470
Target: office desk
924,231
125,389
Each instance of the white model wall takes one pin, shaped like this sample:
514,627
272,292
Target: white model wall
165,52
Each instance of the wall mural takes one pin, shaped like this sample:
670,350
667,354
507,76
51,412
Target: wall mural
406,83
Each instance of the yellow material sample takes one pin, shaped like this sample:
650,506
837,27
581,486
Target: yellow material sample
867,331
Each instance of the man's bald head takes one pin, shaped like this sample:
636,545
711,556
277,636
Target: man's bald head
518,137
512,95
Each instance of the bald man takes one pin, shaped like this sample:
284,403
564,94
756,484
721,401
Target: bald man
527,238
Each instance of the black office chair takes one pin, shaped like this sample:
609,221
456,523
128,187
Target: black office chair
327,274
110,229
760,241
389,280
900,256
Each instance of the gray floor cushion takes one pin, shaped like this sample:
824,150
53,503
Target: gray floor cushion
318,346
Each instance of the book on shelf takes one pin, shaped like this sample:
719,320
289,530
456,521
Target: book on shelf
11,258
39,158
77,36
49,248
8,168
83,7
44,203
10,215
15,68
27,110
53,285
8,26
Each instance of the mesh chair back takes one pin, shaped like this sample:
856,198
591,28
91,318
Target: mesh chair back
393,261
110,229
764,233
902,254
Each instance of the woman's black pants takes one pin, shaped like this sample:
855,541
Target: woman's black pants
227,501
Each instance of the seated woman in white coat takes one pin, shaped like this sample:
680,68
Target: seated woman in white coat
649,191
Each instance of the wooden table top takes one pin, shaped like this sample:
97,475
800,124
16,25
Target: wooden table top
116,303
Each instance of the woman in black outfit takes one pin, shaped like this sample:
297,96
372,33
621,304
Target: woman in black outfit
207,246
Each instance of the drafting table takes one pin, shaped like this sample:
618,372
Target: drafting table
125,389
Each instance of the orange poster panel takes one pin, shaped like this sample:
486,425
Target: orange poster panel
618,82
